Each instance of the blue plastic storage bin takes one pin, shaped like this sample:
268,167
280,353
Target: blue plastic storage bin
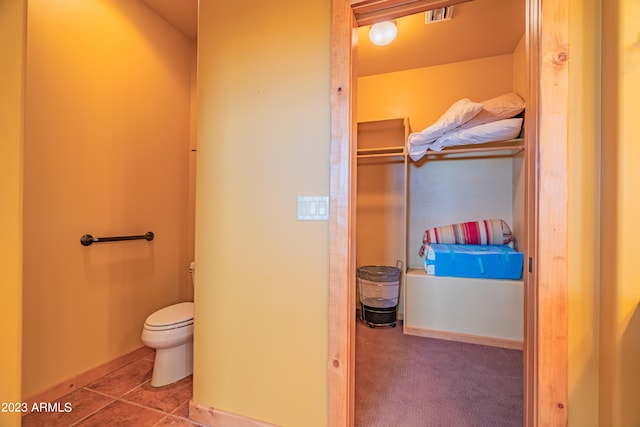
479,261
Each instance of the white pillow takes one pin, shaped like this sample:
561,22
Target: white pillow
501,107
500,130
458,114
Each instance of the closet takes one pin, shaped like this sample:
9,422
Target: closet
398,199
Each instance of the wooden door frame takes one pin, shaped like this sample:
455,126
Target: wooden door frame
546,293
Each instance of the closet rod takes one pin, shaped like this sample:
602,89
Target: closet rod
380,152
396,149
365,156
88,239
515,148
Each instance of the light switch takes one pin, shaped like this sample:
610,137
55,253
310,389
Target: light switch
322,207
313,208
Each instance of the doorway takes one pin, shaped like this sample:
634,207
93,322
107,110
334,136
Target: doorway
545,356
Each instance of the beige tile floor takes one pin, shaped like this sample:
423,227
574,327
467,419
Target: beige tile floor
122,398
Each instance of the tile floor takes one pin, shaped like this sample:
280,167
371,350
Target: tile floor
122,398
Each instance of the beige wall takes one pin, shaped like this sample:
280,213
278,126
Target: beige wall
423,94
12,40
107,153
628,296
521,87
619,350
521,69
262,276
583,229
193,145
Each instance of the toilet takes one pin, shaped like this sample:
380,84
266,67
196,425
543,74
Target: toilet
170,332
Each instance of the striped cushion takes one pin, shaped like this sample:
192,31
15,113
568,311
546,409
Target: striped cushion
485,232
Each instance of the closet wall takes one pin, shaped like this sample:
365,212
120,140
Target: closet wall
423,94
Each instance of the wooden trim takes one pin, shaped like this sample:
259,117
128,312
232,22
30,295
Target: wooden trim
509,148
530,359
369,12
85,378
552,275
375,155
462,337
215,417
382,150
341,346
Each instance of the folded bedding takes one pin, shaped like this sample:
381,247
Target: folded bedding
456,115
483,232
502,130
499,108
477,261
467,122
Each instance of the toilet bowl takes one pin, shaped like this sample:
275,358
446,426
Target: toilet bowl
170,332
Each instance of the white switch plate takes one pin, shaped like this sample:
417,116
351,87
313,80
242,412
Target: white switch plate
313,208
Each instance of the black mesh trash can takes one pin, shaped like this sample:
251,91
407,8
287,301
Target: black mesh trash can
379,288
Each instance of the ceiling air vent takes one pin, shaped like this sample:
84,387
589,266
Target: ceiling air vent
438,15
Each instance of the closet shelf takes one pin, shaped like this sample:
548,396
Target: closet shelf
499,148
381,152
509,148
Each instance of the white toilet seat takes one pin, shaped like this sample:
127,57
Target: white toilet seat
169,331
172,317
168,327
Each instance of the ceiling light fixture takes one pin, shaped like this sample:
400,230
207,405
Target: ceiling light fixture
383,33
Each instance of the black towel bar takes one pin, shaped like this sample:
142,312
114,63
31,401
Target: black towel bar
88,239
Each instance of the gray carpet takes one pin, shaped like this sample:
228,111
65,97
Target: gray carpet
409,381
